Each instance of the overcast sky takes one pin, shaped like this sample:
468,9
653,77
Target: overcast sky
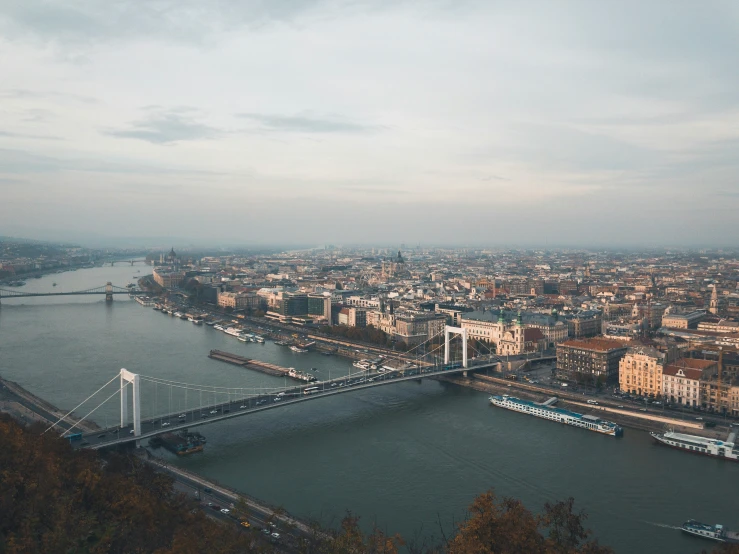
309,121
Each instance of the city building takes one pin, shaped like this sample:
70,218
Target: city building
688,320
720,326
168,278
319,306
352,317
587,323
595,359
415,328
239,300
640,371
682,381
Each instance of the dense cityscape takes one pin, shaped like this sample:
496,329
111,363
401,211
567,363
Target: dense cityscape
359,277
607,341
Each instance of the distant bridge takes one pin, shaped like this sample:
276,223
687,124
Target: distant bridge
109,290
113,262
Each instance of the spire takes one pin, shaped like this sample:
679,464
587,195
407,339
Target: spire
518,319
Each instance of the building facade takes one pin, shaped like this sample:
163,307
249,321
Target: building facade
683,321
168,279
587,323
640,371
682,381
596,359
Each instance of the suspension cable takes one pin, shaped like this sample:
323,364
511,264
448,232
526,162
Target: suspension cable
207,388
96,407
78,405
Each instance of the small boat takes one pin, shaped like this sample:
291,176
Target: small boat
53,285
197,321
710,532
298,350
259,339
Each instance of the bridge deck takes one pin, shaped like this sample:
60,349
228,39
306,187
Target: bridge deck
194,418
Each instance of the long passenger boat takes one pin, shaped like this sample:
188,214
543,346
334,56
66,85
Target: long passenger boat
726,450
544,411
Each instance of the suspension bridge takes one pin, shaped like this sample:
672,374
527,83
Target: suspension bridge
109,290
224,403
131,262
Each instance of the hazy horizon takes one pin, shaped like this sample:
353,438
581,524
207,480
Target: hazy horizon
568,124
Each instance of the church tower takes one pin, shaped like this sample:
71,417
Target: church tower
714,301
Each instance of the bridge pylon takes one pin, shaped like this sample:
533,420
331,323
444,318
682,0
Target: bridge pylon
458,331
109,292
133,379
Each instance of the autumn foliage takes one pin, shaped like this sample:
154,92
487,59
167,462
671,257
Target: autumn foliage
53,500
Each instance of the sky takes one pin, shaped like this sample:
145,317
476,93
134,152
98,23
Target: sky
326,121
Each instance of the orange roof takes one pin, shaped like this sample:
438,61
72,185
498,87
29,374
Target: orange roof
693,363
532,334
692,368
599,344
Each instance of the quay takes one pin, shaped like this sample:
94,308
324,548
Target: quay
644,421
257,365
27,407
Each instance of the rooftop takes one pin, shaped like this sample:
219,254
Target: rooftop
599,345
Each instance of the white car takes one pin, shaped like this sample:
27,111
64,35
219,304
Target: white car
276,536
165,424
225,511
181,416
214,411
242,407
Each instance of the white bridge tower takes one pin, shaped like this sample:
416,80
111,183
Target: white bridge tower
458,331
133,379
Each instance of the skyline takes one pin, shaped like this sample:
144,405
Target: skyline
350,122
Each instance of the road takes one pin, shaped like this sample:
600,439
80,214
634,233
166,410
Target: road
212,498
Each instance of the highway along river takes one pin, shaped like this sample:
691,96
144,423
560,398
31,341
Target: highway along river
405,455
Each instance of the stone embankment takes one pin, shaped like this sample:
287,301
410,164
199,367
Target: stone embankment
43,411
626,416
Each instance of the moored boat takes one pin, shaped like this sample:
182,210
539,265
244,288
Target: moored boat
726,450
546,411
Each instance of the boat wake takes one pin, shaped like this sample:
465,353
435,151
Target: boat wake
664,525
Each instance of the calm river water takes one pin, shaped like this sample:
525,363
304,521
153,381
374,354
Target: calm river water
406,456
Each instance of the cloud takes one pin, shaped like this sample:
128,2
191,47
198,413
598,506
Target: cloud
23,162
166,127
9,134
307,124
25,94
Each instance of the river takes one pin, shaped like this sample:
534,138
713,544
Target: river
406,456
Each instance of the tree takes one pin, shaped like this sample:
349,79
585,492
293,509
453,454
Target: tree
507,526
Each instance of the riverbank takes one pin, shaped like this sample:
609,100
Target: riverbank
258,509
644,421
17,401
